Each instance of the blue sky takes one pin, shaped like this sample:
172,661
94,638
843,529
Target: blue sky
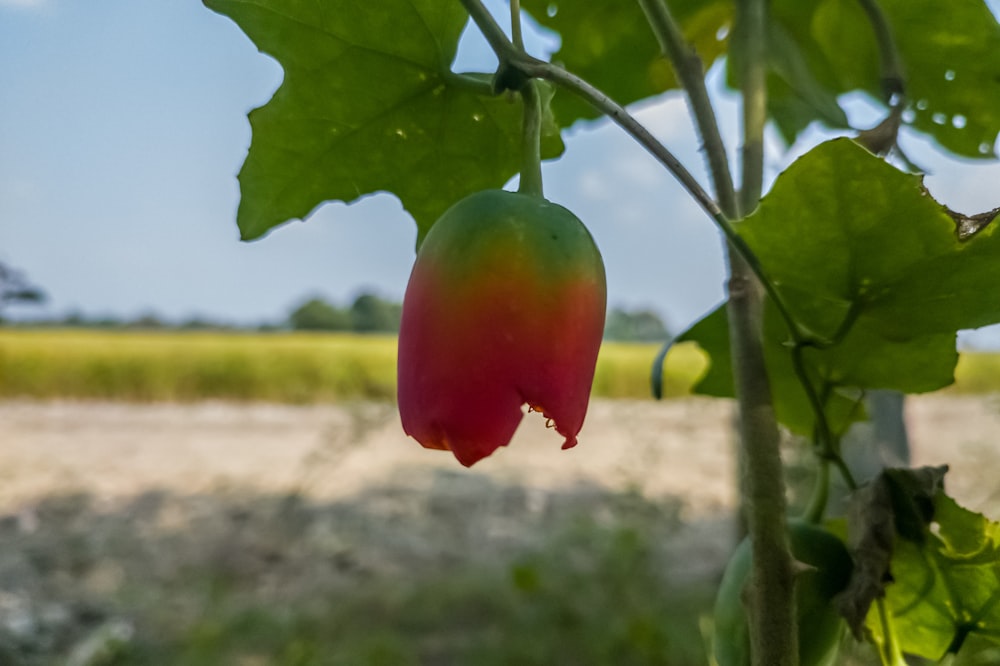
123,125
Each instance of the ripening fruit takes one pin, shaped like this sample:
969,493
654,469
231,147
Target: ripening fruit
820,625
505,307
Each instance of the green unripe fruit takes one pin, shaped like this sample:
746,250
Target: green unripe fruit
820,625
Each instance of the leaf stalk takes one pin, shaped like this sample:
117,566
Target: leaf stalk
691,74
531,135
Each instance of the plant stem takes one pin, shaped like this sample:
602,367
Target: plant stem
773,631
531,117
691,74
821,494
531,134
889,653
515,25
893,83
882,138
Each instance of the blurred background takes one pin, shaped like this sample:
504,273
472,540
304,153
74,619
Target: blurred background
200,458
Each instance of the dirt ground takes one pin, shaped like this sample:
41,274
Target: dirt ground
679,448
153,484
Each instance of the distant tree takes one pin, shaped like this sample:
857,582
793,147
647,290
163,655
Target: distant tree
105,321
74,319
634,326
316,314
372,314
15,288
199,323
147,320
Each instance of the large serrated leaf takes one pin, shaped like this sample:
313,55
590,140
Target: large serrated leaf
369,104
865,259
861,233
610,44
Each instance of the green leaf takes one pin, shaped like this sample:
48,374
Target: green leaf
873,268
711,333
369,104
871,239
791,405
952,72
863,232
946,590
952,284
609,43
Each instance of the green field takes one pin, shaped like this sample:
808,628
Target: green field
295,367
279,367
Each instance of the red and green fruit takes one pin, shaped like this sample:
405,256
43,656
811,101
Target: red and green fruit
505,307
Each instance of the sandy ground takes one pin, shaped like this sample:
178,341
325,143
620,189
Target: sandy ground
299,502
679,448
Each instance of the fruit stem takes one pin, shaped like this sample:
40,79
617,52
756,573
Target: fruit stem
531,118
531,136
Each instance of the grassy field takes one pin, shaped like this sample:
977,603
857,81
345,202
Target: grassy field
295,367
284,367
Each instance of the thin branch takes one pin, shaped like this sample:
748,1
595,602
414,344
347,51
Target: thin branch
753,82
893,82
491,30
882,138
515,25
691,75
621,117
531,117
